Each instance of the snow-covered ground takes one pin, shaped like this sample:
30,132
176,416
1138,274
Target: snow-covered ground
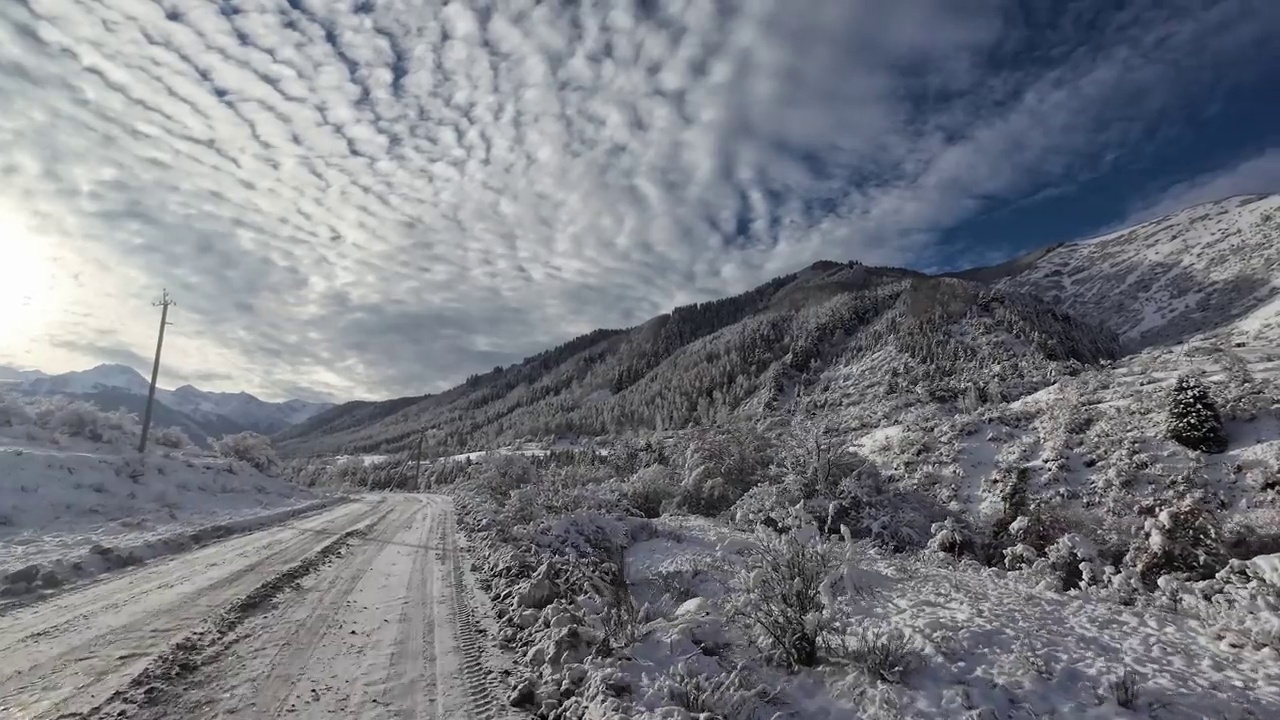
939,606
990,643
972,642
77,500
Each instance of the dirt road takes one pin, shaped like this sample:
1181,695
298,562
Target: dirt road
362,611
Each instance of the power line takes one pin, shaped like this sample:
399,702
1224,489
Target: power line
164,303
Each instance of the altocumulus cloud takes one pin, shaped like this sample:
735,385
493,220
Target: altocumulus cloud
367,198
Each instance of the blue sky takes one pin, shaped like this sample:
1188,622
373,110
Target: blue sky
361,199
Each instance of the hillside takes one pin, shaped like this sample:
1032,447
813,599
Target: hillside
1210,268
828,331
834,336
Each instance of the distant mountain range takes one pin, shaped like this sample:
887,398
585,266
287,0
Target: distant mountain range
203,415
870,345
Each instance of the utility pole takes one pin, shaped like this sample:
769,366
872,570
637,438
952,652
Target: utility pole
417,470
163,304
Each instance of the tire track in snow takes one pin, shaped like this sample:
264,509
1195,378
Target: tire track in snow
191,652
468,635
289,673
58,652
413,663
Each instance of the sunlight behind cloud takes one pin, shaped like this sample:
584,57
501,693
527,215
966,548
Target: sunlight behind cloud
27,283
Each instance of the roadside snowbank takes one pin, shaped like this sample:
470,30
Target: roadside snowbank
75,500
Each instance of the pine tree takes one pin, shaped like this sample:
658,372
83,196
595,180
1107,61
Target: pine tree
1193,420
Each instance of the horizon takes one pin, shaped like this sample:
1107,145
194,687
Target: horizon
365,202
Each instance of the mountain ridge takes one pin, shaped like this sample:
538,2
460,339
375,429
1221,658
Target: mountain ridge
203,415
493,407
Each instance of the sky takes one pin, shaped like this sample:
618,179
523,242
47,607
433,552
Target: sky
363,199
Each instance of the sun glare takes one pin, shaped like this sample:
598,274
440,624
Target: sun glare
25,281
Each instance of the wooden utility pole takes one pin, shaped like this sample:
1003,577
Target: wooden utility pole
163,304
417,470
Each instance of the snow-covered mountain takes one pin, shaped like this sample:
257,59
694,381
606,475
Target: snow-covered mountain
240,406
837,334
200,413
830,335
1208,269
14,375
94,379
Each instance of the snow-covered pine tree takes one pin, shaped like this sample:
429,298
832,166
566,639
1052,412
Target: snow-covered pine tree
1193,419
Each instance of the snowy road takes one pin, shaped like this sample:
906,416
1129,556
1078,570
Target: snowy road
362,611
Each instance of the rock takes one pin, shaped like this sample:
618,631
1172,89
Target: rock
575,673
564,620
523,694
28,575
571,645
539,594
15,590
51,579
527,619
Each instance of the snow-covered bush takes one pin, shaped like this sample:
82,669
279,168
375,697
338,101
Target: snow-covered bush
500,475
649,490
14,412
782,596
251,448
816,462
1193,420
720,466
1070,562
726,695
79,419
766,504
949,536
1183,540
171,437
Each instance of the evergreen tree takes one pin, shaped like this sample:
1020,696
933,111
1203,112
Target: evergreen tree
1193,420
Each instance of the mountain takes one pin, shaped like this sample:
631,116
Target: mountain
14,375
202,415
121,377
824,338
865,345
1208,269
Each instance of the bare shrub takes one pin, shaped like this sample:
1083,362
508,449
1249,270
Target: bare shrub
1125,689
621,617
784,583
680,581
729,696
884,654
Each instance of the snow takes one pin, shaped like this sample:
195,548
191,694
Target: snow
363,459
529,452
1212,267
67,500
1267,567
991,640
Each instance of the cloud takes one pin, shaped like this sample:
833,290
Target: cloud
1256,175
374,198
